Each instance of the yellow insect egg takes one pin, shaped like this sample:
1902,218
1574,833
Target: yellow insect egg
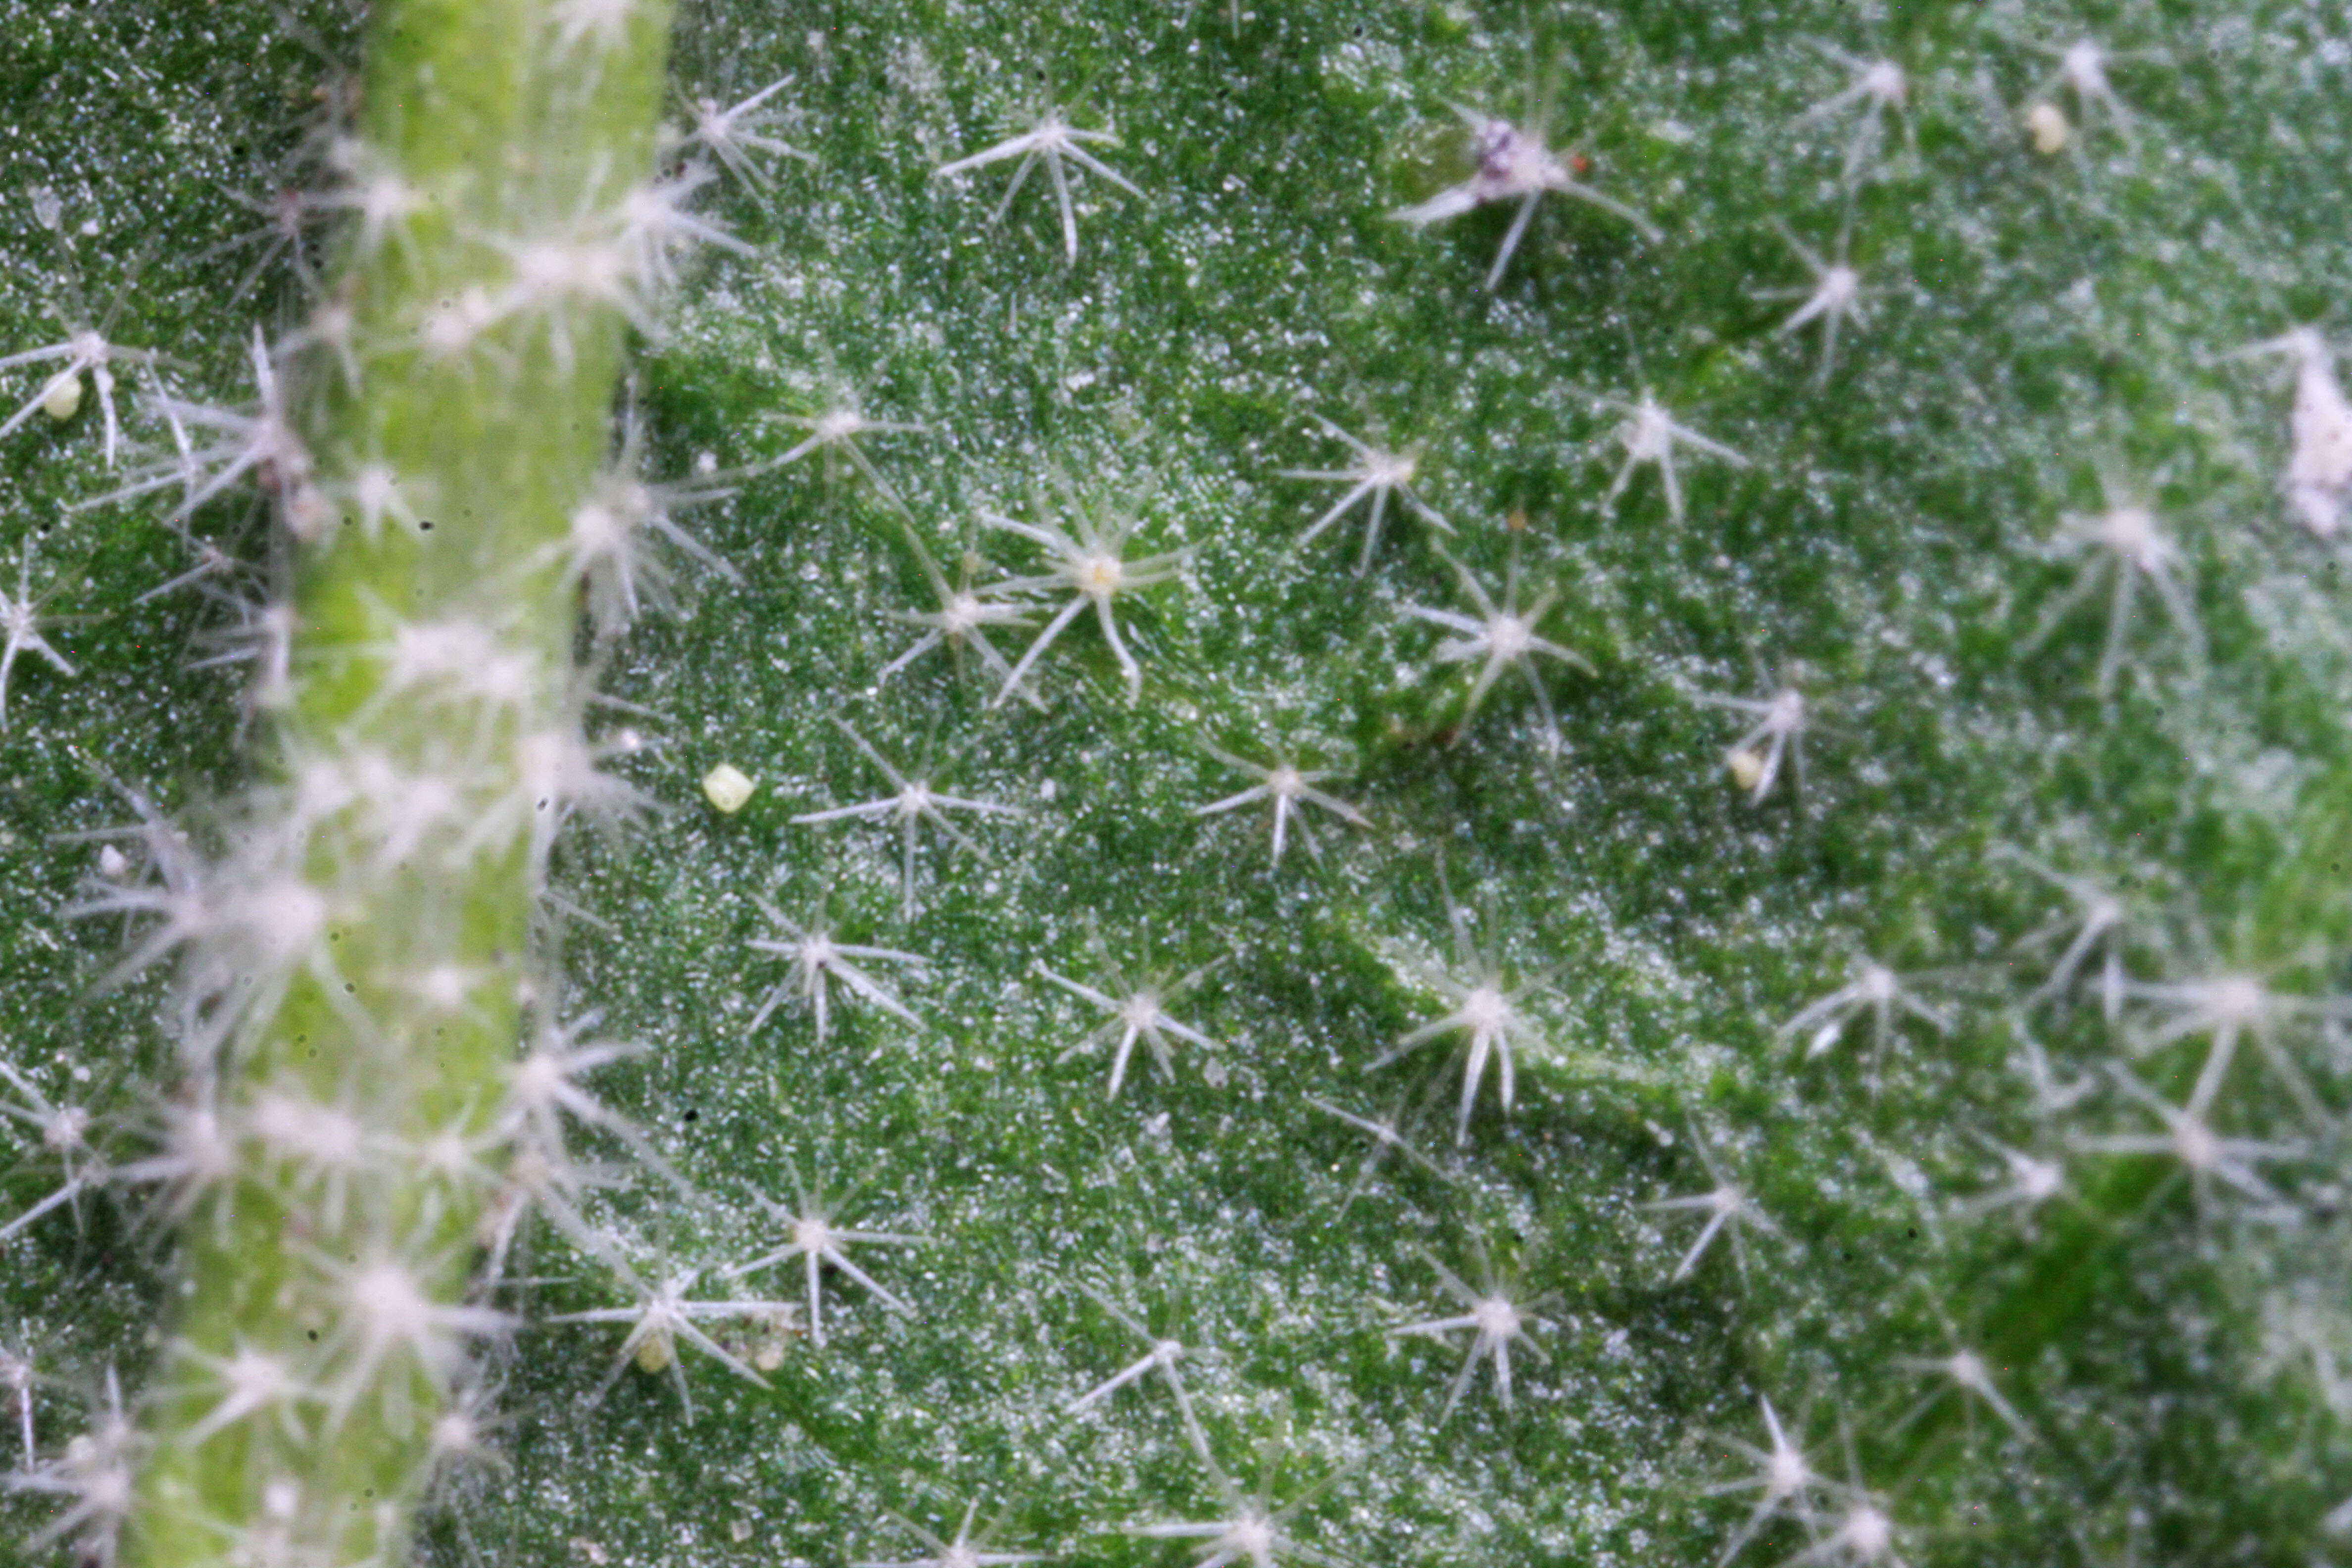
2046,123
61,399
727,787
1746,766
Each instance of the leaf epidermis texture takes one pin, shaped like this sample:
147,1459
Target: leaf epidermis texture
2039,328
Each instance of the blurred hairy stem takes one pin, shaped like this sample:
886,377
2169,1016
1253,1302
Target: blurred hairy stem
507,123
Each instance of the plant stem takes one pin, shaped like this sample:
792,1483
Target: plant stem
413,791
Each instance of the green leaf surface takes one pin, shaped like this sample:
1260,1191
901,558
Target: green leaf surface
2041,336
